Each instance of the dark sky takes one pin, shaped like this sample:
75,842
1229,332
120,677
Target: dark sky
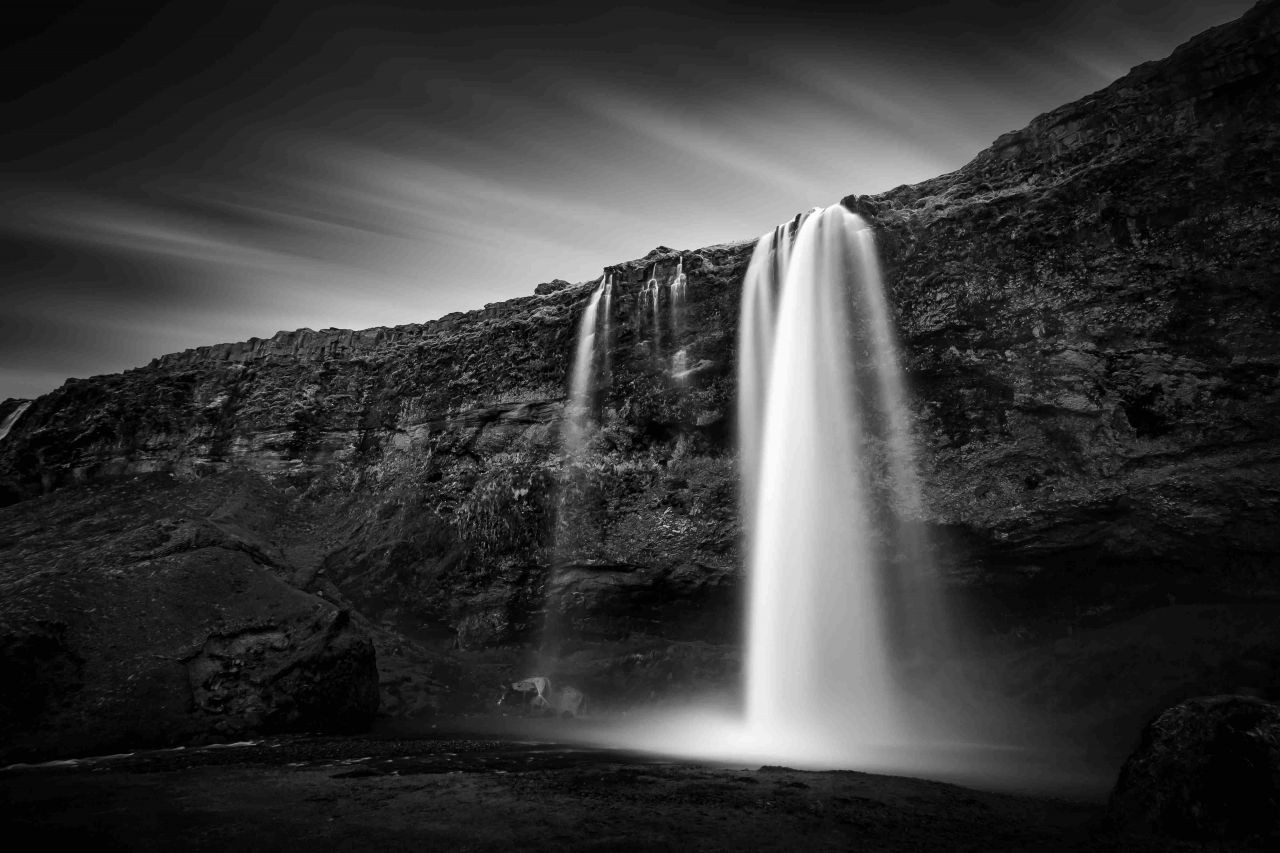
198,172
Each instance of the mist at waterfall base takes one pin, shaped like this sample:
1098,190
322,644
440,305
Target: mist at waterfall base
847,631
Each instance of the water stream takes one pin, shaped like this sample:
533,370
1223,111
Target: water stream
819,666
590,365
12,418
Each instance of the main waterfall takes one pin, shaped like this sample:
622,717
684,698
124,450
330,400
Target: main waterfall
840,597
852,659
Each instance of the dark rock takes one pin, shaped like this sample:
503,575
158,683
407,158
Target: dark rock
553,286
159,636
1207,769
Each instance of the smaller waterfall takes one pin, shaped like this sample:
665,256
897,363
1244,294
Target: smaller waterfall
680,366
679,290
676,303
652,293
589,361
651,304
590,372
12,418
606,333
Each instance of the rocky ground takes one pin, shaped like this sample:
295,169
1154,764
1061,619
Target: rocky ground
480,793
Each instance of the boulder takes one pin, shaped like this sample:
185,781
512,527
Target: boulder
553,286
126,639
1206,769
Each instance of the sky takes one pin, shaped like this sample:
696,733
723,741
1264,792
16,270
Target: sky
188,173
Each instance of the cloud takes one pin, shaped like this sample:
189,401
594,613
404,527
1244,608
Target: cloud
373,164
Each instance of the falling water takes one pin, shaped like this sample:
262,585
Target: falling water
920,622
590,372
823,426
12,418
680,366
755,348
679,290
651,304
846,628
606,333
652,293
587,357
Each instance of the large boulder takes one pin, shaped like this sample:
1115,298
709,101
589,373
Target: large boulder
1207,769
123,630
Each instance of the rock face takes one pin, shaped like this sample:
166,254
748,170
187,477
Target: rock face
1208,769
1089,319
144,629
1090,308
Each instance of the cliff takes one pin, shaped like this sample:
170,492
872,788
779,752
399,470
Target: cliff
1088,312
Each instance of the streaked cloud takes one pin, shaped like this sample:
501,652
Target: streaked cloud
246,170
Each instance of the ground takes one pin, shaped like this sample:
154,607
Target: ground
447,791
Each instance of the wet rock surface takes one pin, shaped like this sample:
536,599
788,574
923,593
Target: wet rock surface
1089,320
1207,769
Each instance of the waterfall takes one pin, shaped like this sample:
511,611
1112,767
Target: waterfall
846,628
651,292
755,348
590,372
588,357
825,443
606,333
651,308
12,418
679,290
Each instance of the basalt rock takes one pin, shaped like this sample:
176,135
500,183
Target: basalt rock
552,286
122,625
1206,770
1090,323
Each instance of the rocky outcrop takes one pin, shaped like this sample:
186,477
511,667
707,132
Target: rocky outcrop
123,625
1090,312
1089,320
548,287
1206,770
